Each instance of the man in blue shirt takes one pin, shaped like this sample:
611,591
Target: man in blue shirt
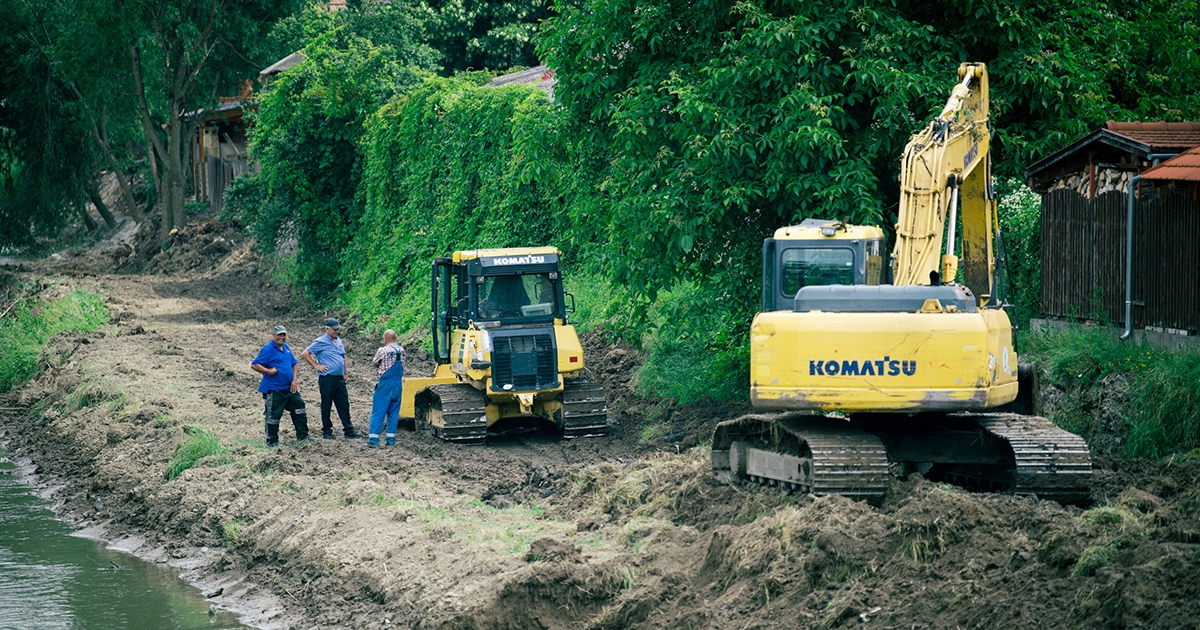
277,365
327,355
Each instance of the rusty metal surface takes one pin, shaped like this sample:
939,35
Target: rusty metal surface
1183,167
1083,258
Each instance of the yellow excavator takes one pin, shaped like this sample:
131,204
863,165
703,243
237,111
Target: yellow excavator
507,357
863,375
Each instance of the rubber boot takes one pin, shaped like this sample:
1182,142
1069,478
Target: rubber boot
272,433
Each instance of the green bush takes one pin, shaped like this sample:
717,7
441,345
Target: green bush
33,321
1164,400
197,444
453,166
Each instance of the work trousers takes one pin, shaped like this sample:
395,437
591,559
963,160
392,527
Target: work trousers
385,405
334,394
274,404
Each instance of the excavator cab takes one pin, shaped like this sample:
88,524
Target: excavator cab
819,253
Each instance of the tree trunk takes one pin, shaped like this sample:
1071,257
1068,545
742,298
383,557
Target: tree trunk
88,221
101,134
102,209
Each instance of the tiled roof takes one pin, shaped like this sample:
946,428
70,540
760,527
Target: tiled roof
1163,137
1135,143
1183,167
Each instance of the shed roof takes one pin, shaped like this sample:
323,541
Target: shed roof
1183,167
540,77
287,63
1115,142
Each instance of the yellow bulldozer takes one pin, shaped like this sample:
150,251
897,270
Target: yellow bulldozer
870,366
507,357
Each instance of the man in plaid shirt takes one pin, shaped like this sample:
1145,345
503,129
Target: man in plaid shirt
389,362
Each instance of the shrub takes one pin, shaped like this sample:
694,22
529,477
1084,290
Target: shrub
197,444
32,321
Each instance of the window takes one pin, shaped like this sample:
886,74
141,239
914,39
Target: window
812,266
530,295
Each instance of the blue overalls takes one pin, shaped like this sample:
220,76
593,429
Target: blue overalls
386,403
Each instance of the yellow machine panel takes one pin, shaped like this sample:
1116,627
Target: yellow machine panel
885,362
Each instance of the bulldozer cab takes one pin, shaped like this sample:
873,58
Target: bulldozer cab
819,253
495,289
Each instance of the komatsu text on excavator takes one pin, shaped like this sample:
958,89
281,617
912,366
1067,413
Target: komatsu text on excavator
505,351
864,374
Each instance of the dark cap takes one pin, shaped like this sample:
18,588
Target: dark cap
280,330
333,323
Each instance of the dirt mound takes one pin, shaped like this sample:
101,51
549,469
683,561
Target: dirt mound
198,246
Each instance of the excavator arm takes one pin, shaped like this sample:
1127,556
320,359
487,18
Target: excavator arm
945,166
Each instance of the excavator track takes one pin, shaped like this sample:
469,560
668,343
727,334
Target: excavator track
802,453
1048,462
585,409
464,414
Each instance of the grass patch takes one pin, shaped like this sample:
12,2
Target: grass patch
1164,400
197,444
31,321
232,531
697,346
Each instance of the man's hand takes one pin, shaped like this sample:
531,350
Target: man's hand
346,377
293,388
322,368
274,371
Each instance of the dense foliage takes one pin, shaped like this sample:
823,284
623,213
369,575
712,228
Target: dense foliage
1142,400
307,139
453,165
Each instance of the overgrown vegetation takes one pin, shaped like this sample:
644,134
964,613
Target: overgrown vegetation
31,320
197,444
680,135
1162,411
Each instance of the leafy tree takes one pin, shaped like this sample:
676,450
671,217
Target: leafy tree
191,51
726,119
484,34
308,127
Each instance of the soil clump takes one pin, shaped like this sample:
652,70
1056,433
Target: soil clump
531,531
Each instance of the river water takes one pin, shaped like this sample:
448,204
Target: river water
50,579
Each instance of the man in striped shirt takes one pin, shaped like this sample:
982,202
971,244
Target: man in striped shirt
385,405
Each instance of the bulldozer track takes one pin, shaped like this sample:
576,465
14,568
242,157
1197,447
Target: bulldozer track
585,408
464,414
1049,462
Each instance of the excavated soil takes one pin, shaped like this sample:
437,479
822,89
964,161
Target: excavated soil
625,531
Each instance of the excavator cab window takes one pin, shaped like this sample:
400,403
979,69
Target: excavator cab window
811,266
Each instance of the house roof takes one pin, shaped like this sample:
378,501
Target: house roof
1115,142
1183,167
540,77
287,63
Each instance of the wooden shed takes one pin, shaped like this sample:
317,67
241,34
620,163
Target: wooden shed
1085,191
219,147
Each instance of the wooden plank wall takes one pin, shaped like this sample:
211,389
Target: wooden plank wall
1083,258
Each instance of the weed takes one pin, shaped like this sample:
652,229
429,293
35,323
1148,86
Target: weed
232,531
627,577
651,431
381,499
1163,402
197,444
